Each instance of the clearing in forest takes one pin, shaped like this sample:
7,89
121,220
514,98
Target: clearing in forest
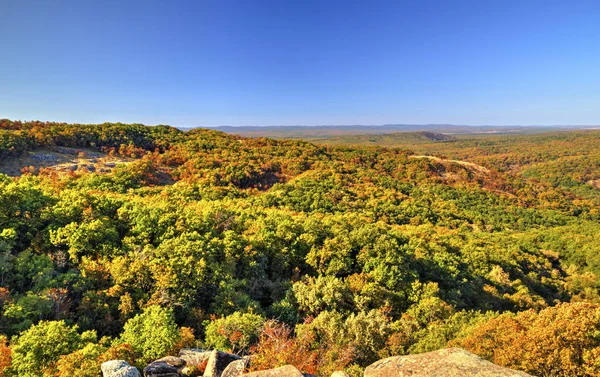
61,159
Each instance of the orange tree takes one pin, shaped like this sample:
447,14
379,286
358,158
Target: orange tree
558,341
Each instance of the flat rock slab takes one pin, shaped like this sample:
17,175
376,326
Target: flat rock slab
450,362
285,371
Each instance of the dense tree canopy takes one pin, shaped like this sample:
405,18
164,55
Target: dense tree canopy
343,254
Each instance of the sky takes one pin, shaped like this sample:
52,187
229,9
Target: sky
305,62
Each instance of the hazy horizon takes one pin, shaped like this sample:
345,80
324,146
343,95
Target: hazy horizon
309,125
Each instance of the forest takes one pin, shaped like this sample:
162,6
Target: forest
325,256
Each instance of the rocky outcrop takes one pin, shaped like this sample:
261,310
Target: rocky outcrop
285,371
236,368
196,360
118,368
205,363
176,362
451,362
160,369
217,362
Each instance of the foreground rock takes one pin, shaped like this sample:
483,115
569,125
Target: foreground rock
236,368
217,362
195,361
160,369
451,362
119,368
176,362
285,371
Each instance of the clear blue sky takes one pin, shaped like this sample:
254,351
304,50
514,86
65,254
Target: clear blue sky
194,63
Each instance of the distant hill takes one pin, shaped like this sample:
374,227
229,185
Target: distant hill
309,132
393,139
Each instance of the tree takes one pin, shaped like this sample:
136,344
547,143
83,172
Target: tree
363,334
559,341
152,333
26,311
37,349
278,346
235,333
84,362
5,356
322,293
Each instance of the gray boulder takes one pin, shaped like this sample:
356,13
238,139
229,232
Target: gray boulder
285,371
195,361
217,362
173,361
450,362
118,368
236,368
160,369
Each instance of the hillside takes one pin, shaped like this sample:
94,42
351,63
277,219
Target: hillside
569,160
325,257
387,140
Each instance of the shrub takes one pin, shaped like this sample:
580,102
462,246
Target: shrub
119,352
235,333
37,349
277,346
152,333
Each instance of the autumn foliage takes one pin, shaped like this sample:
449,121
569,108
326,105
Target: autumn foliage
277,346
559,341
5,356
325,257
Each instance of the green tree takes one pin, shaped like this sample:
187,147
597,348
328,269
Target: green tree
236,332
26,311
322,293
36,350
152,333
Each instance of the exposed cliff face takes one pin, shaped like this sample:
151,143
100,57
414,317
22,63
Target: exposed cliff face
451,362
